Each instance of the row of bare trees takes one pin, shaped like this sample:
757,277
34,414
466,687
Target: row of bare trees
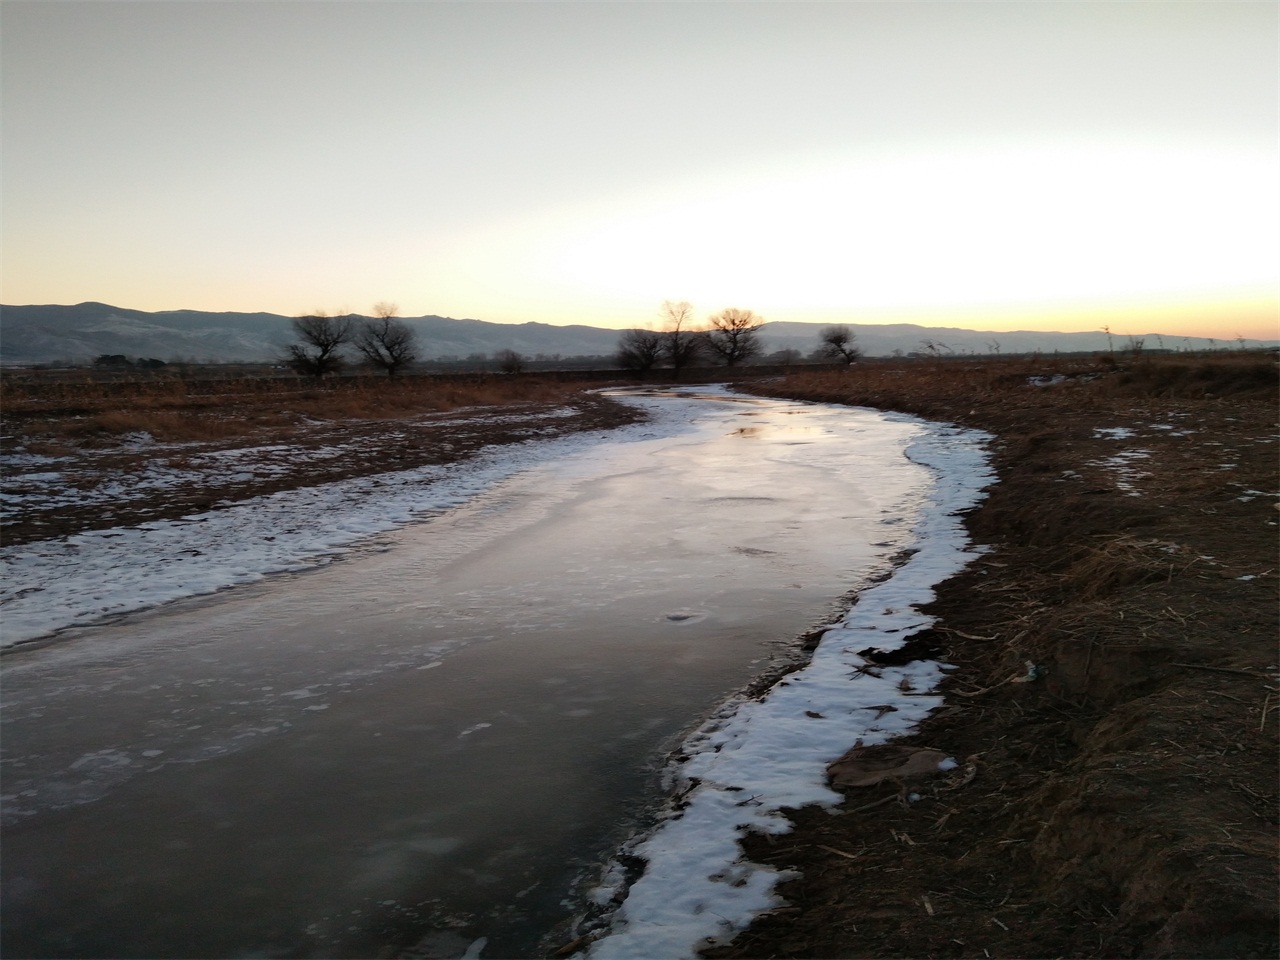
382,340
731,337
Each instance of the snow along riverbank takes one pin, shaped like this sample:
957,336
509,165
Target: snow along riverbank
758,757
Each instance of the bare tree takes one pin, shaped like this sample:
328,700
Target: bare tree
839,343
320,341
639,349
734,336
509,361
681,344
387,343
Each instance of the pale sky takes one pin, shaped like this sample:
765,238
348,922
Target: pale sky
996,165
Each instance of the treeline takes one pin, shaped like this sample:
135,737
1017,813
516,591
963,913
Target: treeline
327,345
729,338
118,361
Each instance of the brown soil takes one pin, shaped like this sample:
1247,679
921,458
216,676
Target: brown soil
1124,803
352,447
1121,804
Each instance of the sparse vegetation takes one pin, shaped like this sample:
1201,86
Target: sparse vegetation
838,342
734,336
318,350
510,361
118,361
639,350
681,343
107,430
175,409
386,343
947,388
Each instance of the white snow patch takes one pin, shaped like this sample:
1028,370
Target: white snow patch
47,586
1122,465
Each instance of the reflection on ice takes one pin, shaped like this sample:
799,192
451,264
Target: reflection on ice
433,738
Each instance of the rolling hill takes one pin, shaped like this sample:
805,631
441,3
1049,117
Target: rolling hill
53,333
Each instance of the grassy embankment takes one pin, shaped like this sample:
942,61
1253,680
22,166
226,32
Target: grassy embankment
1122,801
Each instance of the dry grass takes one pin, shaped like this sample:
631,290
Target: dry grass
179,410
947,388
1111,563
1229,375
168,425
85,409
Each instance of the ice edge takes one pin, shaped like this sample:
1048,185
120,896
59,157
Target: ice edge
758,757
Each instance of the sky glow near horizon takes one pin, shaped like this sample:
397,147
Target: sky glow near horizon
993,165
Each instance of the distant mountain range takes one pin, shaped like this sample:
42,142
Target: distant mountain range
53,333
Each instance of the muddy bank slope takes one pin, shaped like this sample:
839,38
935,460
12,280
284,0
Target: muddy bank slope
1120,800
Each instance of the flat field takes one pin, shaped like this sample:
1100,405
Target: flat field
89,454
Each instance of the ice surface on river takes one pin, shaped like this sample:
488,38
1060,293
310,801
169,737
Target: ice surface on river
760,757
235,680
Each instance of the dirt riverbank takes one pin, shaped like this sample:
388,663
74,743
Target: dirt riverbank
1123,802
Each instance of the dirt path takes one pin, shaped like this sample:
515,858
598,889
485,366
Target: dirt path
1123,802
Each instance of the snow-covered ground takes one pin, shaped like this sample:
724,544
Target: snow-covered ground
754,758
49,585
40,483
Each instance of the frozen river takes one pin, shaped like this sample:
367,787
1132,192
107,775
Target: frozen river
440,738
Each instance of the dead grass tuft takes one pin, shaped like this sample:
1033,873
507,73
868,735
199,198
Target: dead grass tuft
1112,563
112,425
1238,376
952,388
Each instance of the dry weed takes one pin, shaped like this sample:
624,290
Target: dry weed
944,386
1112,563
175,410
